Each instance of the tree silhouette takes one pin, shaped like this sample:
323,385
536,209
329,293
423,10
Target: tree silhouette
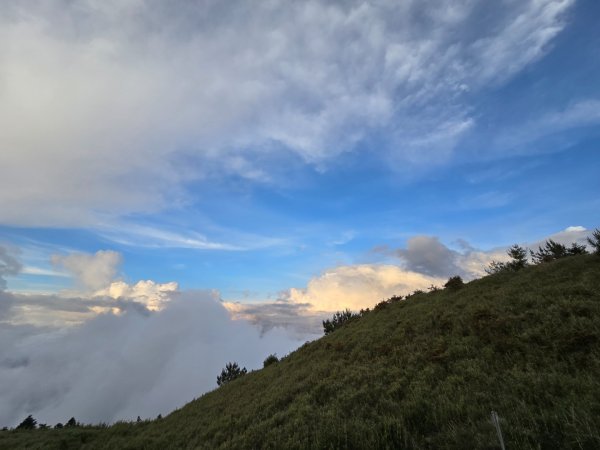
72,422
550,251
594,241
518,260
454,283
338,319
230,373
271,359
28,423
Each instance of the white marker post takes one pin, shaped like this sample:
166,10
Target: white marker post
496,422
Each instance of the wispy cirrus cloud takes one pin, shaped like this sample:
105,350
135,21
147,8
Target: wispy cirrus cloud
532,136
156,97
139,235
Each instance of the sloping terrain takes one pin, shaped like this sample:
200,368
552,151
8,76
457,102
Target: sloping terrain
419,373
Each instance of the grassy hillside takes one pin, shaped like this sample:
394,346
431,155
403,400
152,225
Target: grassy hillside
421,373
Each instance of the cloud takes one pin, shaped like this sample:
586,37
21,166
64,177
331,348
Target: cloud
147,292
9,265
427,255
114,366
358,286
577,234
298,319
531,136
120,366
424,262
130,102
91,272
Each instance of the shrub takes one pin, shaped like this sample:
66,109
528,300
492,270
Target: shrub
338,319
230,373
594,241
454,283
71,423
28,423
271,359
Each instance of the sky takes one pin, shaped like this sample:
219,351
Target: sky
185,185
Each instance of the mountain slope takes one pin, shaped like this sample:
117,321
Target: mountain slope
421,373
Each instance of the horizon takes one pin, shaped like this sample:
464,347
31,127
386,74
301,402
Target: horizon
183,187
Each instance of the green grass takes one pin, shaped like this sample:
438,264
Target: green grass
424,373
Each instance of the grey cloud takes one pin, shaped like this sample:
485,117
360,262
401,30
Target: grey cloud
9,265
295,317
198,89
121,366
426,254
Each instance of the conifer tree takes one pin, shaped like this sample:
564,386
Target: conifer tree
594,241
230,373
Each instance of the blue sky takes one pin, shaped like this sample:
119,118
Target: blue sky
509,156
188,184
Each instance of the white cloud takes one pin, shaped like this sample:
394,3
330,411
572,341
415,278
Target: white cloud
424,262
40,271
359,286
152,295
577,234
522,40
91,272
120,366
109,108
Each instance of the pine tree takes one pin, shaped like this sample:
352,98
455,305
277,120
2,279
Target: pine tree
518,260
29,423
550,251
230,373
594,241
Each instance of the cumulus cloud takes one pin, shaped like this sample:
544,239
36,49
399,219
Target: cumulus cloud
120,366
91,272
97,291
424,262
359,286
147,292
428,255
355,287
199,89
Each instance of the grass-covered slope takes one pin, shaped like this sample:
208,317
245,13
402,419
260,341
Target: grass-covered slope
420,373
